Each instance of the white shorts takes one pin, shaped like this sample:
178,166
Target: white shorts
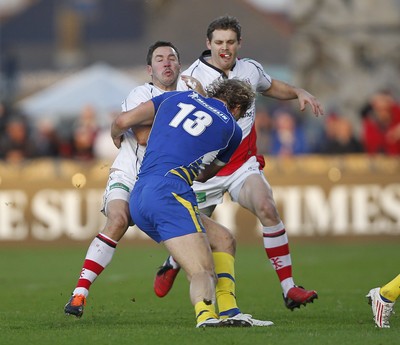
123,171
211,192
119,187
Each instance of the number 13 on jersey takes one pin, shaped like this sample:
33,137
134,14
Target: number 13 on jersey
193,127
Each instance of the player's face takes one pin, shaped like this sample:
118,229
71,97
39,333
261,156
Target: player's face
224,47
165,68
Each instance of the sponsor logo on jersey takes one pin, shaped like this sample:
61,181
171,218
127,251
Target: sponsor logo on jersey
119,185
201,197
224,117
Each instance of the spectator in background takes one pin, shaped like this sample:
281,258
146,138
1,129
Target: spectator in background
4,116
46,139
8,74
103,146
17,144
339,137
263,124
84,134
381,125
288,137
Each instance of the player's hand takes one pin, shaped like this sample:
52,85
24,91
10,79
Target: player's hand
305,98
117,141
194,84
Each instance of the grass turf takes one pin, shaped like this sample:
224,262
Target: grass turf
35,283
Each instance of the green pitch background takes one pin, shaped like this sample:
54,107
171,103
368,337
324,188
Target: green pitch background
35,283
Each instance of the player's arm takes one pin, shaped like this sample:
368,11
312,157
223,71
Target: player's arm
210,170
284,91
141,134
222,157
194,84
142,115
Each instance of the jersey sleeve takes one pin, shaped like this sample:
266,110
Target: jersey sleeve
161,98
225,154
264,79
181,86
137,96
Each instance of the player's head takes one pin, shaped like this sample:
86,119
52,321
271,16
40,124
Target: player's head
238,95
224,36
225,23
163,65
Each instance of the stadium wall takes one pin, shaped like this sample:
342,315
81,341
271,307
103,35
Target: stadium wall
47,200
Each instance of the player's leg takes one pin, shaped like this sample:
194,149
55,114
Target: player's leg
221,241
168,271
223,246
194,255
183,235
102,248
382,301
256,195
391,291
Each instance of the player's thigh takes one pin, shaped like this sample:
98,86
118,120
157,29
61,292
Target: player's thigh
256,193
119,187
220,238
118,212
192,251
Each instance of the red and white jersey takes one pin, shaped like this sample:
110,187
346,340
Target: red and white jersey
247,70
130,155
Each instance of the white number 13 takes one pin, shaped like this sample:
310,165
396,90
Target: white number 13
193,127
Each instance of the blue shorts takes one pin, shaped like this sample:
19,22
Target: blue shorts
164,208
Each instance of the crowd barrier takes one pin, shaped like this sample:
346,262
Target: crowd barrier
353,195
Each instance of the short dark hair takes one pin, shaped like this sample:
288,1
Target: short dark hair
224,23
234,92
158,44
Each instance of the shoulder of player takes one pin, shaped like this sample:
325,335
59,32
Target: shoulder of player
140,94
147,89
248,62
191,68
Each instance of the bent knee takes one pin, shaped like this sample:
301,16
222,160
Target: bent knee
118,221
226,243
267,211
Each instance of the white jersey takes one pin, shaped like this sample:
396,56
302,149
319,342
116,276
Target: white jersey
130,155
129,159
247,70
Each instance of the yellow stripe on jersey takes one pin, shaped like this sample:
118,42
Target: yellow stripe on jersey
173,171
194,172
191,210
188,178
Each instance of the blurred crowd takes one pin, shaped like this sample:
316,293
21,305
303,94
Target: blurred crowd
80,138
281,131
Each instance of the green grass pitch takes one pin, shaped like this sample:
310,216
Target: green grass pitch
35,283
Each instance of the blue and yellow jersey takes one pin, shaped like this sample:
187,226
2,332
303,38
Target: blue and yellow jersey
188,131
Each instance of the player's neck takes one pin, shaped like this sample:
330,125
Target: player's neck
226,70
166,88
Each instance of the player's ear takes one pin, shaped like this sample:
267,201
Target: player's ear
237,112
208,43
149,70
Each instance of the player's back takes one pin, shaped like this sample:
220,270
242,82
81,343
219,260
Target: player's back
186,127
